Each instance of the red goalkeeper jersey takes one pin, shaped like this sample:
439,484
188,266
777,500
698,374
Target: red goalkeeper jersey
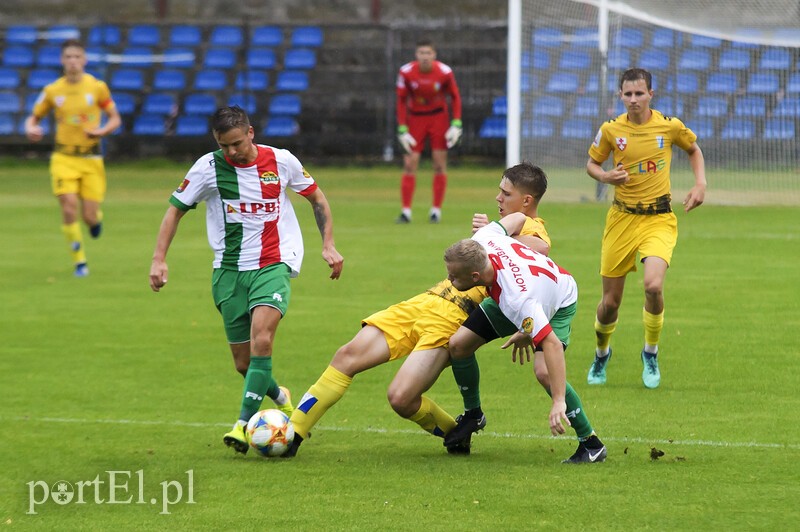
426,92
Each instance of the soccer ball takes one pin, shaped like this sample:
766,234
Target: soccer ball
270,432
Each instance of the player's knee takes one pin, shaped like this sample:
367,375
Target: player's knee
262,344
459,349
400,401
653,288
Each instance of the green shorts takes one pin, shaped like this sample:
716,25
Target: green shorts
237,293
561,322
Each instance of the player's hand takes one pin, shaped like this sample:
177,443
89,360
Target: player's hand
479,220
694,198
34,133
558,414
453,134
522,344
406,139
158,275
94,133
617,176
334,260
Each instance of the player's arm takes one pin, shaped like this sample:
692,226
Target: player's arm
324,219
453,134
169,227
113,122
405,138
513,223
535,243
697,195
616,176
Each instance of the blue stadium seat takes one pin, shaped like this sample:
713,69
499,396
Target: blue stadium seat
584,38
149,125
547,38
666,38
30,101
619,107
292,81
105,35
137,56
40,77
96,56
793,83
775,59
191,126
127,79
169,80
210,80
702,127
528,82
223,58
539,128
260,59
694,60
753,106
226,36
179,58
49,57
144,35
734,60
548,106
722,82
299,59
306,36
493,127
539,59
686,83
500,106
763,83
712,106
576,128
270,36
562,82
61,32
788,108
281,126
159,103
592,84
185,35
248,102
669,106
6,125
200,104
257,80
574,59
21,34
619,59
738,129
9,78
285,104
9,102
652,59
779,129
701,41
586,106
126,103
18,56
751,33
628,38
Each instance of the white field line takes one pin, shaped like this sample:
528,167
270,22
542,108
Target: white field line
659,441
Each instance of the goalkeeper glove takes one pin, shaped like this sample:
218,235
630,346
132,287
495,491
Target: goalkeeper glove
406,140
453,134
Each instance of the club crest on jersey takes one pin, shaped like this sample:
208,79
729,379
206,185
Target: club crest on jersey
269,177
660,141
89,99
527,325
60,100
622,143
182,186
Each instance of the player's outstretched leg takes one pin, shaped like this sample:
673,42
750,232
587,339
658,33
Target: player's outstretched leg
467,423
236,437
590,451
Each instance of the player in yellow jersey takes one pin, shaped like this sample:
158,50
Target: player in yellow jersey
418,330
640,219
78,101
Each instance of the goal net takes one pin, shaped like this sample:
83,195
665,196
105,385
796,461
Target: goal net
728,70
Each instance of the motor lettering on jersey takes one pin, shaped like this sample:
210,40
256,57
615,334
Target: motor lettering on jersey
512,266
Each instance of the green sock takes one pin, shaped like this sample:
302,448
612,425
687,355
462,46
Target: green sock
575,413
257,384
468,376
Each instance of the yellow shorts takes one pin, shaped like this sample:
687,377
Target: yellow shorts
423,322
84,176
651,235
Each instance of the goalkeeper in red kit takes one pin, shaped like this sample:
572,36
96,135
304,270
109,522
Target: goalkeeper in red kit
422,87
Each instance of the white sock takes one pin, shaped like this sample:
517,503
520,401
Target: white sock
281,399
407,212
652,349
437,211
601,353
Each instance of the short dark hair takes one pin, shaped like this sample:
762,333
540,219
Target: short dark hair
528,178
227,118
70,43
425,42
632,74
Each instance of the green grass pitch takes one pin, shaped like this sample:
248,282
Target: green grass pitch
100,374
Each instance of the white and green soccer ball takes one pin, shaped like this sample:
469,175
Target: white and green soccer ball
270,432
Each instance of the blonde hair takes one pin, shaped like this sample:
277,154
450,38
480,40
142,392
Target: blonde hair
468,253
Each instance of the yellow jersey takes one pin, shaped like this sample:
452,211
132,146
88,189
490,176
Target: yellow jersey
469,300
77,108
645,151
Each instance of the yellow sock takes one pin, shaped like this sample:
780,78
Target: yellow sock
433,419
328,389
653,323
72,232
603,332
